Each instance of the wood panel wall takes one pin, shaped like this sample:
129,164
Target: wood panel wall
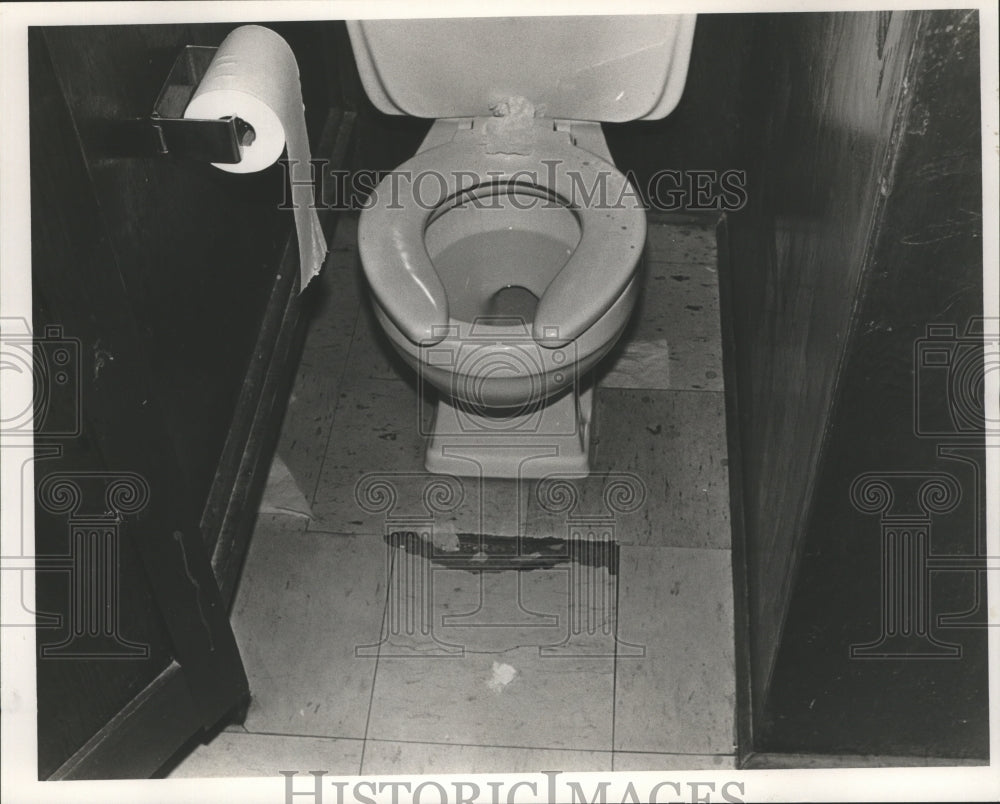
861,140
916,426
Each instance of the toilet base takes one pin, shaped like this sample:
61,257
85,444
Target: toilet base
553,438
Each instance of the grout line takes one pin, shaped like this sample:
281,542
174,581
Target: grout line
292,735
498,745
614,675
474,745
382,633
665,390
367,378
683,263
647,390
674,753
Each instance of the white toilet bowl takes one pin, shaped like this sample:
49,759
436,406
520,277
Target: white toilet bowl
502,264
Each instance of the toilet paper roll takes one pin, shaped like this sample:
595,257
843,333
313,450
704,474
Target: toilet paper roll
254,76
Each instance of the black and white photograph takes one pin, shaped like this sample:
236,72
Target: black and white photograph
509,402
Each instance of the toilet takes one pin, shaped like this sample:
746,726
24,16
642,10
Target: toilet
502,258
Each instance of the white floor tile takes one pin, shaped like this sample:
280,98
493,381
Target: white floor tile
516,698
305,602
680,696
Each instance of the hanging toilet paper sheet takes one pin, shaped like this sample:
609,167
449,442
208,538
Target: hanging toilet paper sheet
254,76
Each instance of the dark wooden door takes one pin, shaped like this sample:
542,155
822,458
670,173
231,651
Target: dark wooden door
167,322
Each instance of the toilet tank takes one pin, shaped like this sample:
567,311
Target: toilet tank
595,68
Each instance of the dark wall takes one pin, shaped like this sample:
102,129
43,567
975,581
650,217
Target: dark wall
820,102
705,130
917,680
860,134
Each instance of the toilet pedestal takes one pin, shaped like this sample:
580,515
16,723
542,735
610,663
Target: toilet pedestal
553,438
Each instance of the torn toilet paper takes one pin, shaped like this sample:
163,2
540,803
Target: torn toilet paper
502,675
282,494
511,129
640,364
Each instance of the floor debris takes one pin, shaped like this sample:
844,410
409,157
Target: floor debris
446,537
503,674
282,494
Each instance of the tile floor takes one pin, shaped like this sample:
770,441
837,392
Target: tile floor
366,658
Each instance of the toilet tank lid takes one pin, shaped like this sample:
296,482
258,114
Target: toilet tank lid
599,68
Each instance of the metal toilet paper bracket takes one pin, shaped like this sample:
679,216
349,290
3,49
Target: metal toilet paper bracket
203,140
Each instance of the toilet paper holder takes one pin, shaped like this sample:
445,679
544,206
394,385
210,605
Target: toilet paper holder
203,140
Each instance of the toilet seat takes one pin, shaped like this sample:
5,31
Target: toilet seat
402,275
